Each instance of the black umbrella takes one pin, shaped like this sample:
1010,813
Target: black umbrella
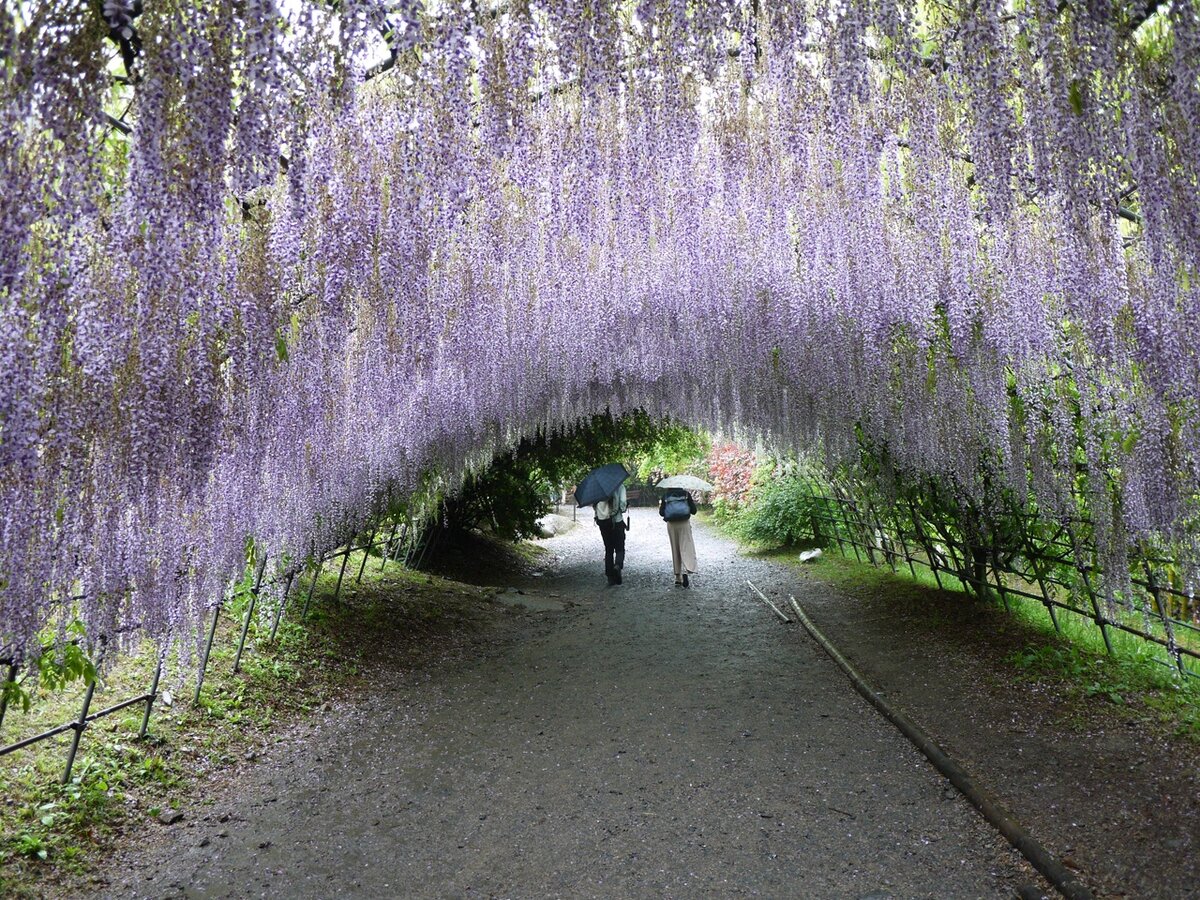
600,483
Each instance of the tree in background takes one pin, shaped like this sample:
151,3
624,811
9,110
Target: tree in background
516,489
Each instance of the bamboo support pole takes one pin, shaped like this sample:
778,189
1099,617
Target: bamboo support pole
78,727
150,700
237,659
783,617
11,679
1172,647
998,577
888,553
387,547
1085,569
846,506
312,587
366,549
287,589
903,544
923,539
337,591
212,633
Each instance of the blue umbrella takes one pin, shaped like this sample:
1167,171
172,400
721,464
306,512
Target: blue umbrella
600,483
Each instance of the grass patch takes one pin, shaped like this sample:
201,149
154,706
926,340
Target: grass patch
1135,680
51,833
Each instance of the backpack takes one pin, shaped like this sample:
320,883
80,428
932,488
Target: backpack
676,509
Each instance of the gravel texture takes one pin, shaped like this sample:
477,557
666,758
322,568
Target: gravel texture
639,740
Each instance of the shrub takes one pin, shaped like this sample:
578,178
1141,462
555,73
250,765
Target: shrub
779,512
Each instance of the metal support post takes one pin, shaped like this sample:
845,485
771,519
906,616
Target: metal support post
150,700
237,659
78,727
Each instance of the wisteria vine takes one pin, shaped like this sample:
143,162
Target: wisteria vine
968,237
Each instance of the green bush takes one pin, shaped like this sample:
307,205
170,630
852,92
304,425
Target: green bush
509,496
780,512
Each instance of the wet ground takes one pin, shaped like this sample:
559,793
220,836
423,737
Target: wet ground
643,740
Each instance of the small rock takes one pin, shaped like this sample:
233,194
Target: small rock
204,843
263,845
170,816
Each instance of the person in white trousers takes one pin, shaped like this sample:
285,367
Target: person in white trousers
677,507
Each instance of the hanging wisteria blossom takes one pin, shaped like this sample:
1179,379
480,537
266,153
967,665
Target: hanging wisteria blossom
264,264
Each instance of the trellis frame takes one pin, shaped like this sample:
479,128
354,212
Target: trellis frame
837,510
410,537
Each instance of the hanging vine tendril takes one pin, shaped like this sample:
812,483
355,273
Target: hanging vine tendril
966,236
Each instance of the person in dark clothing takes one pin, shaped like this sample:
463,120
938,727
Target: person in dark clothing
610,517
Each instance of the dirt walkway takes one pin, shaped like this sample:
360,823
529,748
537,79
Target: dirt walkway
643,741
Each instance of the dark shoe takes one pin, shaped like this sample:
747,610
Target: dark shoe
617,577
685,580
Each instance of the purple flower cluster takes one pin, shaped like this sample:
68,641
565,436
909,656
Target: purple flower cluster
971,241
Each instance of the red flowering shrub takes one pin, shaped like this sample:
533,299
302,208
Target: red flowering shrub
731,470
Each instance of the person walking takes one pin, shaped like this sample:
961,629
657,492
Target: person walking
677,508
610,516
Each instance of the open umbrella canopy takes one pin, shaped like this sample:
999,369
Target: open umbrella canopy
600,483
685,482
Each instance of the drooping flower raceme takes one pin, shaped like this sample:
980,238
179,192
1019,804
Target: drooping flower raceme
290,292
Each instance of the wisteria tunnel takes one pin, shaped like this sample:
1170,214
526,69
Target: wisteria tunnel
269,268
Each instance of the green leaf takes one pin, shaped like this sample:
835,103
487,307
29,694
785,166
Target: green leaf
1075,96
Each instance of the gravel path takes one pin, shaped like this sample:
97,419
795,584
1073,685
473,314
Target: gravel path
641,741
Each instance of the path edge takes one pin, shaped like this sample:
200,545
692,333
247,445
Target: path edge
982,799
